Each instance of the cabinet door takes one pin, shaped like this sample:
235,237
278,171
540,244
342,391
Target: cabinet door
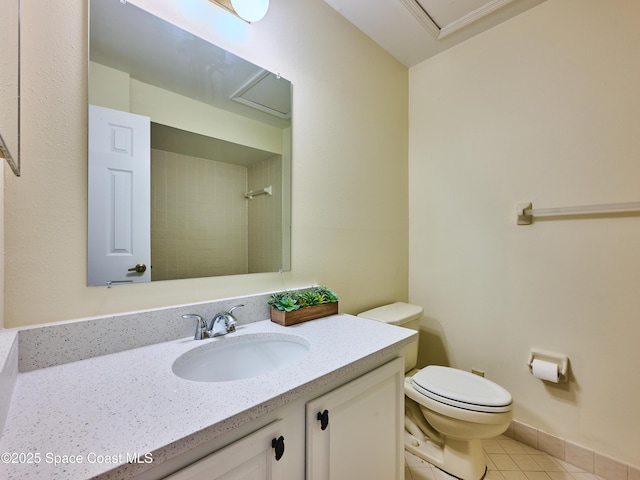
355,431
251,458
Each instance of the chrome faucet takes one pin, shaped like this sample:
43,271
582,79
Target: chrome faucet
222,323
201,326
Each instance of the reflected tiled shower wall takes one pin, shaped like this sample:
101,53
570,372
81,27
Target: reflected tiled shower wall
198,217
265,216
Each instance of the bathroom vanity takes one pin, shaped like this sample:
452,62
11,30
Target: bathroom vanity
351,428
127,415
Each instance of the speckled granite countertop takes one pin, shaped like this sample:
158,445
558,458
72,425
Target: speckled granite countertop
100,409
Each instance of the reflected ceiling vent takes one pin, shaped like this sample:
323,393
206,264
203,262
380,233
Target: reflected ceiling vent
267,92
442,18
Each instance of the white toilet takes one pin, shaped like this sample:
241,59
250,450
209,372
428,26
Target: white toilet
447,411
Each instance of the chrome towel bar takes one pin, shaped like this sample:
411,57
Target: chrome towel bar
525,211
263,191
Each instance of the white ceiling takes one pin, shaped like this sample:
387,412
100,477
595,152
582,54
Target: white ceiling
414,30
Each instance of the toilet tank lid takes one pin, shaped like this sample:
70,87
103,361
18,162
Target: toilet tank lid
398,313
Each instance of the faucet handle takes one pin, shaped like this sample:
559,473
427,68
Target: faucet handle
231,327
201,326
234,307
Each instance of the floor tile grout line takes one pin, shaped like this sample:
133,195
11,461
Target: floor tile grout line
518,468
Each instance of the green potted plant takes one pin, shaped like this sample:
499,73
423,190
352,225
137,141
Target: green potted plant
296,306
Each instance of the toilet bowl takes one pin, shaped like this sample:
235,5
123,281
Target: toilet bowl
447,411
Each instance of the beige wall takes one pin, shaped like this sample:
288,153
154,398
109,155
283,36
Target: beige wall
544,108
349,215
8,171
8,110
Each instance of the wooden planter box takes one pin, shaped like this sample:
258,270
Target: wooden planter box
303,314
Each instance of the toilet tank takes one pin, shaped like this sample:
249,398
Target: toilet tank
403,315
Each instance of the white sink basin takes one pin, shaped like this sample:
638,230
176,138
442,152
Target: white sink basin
238,357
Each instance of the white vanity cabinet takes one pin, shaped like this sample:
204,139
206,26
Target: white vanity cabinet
262,455
355,431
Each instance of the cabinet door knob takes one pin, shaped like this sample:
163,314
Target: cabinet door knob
324,419
278,445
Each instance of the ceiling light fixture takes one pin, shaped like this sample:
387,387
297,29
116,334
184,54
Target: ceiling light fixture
247,10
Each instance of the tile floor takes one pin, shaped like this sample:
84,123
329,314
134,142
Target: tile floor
507,459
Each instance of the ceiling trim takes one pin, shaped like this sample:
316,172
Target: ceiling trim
422,16
440,33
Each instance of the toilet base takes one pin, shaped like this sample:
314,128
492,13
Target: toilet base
463,459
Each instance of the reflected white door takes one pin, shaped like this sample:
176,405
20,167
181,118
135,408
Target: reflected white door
119,236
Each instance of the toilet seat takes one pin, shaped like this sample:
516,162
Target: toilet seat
461,389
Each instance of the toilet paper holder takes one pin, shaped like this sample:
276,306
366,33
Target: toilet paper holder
558,358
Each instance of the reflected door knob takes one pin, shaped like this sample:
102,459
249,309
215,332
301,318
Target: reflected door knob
139,268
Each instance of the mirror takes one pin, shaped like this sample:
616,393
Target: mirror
218,148
10,84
